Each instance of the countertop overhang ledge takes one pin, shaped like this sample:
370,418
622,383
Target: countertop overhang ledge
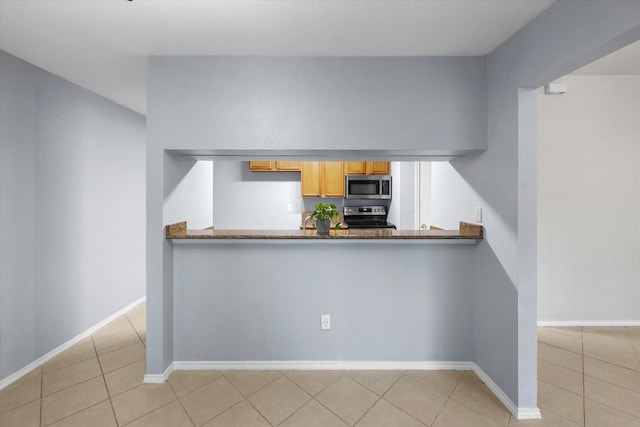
467,233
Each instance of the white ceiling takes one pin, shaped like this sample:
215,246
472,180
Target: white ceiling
102,45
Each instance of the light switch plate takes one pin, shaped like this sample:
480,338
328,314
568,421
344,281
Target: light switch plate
479,215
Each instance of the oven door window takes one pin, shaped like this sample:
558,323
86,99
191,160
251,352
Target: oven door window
364,188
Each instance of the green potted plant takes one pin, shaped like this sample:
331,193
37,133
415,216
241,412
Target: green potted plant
323,214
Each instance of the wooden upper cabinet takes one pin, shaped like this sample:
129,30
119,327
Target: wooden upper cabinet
348,168
355,168
367,168
261,166
322,179
378,168
288,166
310,179
332,179
264,166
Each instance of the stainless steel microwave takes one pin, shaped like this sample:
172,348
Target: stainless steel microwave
367,187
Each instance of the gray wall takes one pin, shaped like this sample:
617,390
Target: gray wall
503,180
255,200
262,301
72,211
191,196
587,271
260,103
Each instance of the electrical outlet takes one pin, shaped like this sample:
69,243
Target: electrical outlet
289,208
325,321
479,215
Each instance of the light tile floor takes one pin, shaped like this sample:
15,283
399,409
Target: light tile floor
587,376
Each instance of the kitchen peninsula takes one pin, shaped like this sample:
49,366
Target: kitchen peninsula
252,299
467,233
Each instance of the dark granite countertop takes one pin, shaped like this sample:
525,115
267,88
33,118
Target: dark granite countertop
467,231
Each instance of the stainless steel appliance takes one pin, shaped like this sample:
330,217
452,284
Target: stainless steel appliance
372,216
367,187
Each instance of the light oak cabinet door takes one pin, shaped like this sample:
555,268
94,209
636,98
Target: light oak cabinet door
378,168
261,166
288,166
332,179
355,168
322,179
264,166
310,179
367,168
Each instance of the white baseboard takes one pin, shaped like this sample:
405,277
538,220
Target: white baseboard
159,378
292,365
53,353
327,365
519,413
529,414
588,322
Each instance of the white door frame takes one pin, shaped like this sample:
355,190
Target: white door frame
423,196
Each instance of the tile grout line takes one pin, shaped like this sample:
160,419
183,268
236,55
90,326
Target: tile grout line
584,391
460,403
139,385
584,403
313,397
560,388
562,416
402,410
296,411
121,367
113,411
615,409
551,361
375,403
329,409
583,356
66,388
299,388
478,412
120,348
83,409
136,330
633,338
560,366
147,413
72,385
614,384
180,401
246,398
342,374
41,394
557,346
65,366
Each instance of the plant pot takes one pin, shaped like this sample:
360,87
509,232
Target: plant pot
322,226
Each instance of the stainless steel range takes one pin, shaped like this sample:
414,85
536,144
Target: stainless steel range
372,216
